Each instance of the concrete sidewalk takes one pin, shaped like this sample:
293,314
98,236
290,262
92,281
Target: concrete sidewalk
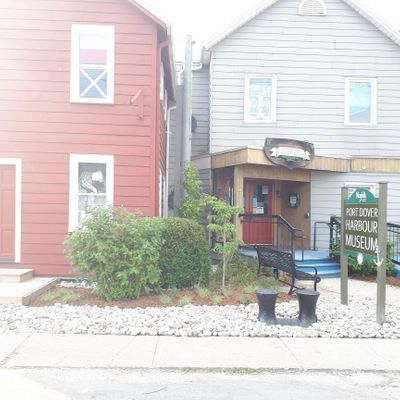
330,288
286,354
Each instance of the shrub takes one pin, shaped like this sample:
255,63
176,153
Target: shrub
194,203
221,218
120,249
184,257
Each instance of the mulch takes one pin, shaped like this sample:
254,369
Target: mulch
390,280
87,297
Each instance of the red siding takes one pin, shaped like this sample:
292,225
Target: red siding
39,125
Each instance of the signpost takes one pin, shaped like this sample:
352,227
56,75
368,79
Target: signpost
364,230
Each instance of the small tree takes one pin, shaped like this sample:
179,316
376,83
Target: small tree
193,205
221,223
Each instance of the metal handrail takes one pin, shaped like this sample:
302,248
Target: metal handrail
334,226
394,237
295,233
393,233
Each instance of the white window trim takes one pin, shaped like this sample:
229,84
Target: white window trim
76,30
75,159
373,187
311,15
374,96
18,201
273,99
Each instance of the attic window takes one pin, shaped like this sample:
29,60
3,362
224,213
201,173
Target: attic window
312,7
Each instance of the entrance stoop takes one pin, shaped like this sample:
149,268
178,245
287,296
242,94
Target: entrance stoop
10,275
18,286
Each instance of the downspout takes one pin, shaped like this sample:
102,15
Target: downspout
166,192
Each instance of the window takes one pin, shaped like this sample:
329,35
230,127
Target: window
312,7
260,99
352,187
360,101
92,64
91,185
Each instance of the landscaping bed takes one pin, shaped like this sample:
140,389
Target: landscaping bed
167,298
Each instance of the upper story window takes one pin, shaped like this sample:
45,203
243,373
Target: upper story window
260,98
91,185
312,7
360,101
92,64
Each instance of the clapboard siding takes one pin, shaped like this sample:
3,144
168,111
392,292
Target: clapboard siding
39,125
326,195
205,178
201,111
311,57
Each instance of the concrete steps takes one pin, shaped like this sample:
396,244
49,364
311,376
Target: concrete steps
12,275
327,268
18,286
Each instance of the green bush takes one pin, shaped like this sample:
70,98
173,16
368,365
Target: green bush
184,257
120,250
367,268
194,203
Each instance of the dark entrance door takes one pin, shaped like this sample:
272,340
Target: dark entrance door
258,201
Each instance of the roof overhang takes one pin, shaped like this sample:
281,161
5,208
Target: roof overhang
256,156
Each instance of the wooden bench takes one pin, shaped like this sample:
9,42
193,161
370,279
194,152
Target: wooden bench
268,257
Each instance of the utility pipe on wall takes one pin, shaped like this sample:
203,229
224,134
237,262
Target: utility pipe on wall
187,106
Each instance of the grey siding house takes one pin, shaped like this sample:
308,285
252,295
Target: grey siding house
324,72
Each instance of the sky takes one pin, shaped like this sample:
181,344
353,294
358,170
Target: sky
203,18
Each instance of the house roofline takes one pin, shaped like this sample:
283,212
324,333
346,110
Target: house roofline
153,15
385,27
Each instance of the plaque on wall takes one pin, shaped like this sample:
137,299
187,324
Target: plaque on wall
289,153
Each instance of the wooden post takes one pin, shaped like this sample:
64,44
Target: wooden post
381,256
344,259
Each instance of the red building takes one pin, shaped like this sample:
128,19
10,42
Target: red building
84,91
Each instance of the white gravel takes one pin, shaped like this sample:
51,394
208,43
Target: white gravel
335,320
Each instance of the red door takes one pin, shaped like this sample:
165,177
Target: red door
258,229
7,213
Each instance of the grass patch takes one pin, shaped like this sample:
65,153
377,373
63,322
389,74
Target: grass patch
185,300
202,292
250,289
245,299
174,293
62,296
268,282
165,299
216,300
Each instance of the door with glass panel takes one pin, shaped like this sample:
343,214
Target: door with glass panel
258,229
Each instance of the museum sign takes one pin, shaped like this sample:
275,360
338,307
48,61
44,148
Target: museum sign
360,226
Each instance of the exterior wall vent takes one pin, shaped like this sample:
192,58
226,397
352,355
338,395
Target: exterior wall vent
312,7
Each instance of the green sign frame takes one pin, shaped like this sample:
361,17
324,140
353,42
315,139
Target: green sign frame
360,224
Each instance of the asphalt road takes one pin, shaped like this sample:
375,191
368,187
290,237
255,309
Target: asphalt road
103,384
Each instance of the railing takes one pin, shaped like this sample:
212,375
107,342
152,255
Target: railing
394,240
284,236
393,235
334,234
